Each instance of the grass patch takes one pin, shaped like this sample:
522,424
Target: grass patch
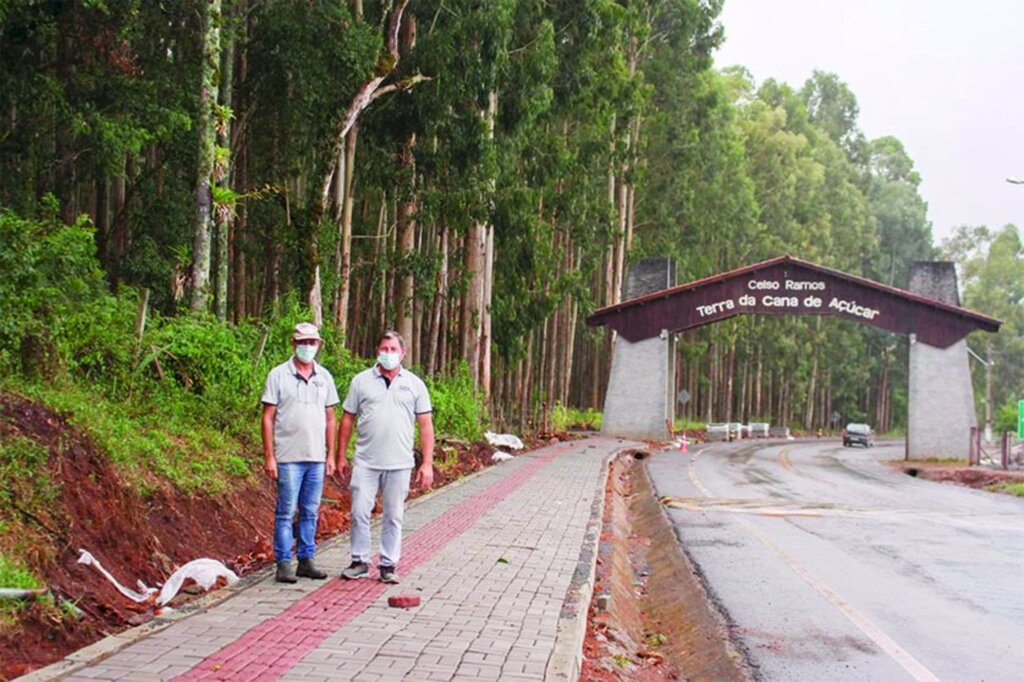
24,472
173,436
1016,489
574,419
14,575
446,460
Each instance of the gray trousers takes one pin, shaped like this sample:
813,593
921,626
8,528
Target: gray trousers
394,487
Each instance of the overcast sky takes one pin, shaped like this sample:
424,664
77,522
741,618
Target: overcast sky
944,77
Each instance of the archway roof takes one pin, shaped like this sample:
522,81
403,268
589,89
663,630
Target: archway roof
790,286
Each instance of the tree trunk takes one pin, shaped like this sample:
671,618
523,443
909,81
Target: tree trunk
203,201
405,219
488,295
473,298
365,95
102,219
238,245
527,388
117,244
344,265
64,180
223,174
437,330
380,248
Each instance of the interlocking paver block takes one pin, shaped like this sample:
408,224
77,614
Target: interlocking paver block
491,557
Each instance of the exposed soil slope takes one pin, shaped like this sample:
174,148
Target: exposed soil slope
135,537
972,477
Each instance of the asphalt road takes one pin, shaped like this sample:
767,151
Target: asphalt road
830,565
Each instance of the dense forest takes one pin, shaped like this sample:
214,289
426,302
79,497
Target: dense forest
476,175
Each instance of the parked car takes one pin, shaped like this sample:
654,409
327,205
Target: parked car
718,432
858,434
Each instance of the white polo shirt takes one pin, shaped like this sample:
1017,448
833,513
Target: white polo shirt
386,415
300,425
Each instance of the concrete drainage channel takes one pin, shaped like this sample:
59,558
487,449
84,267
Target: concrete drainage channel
651,616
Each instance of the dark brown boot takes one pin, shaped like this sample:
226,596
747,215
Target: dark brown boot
307,569
285,573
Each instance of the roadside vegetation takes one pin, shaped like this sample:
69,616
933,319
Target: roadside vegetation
175,405
1015,489
484,203
166,216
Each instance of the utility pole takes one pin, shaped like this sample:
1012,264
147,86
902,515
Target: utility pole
988,394
988,363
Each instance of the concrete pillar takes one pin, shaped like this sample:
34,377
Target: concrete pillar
941,403
640,402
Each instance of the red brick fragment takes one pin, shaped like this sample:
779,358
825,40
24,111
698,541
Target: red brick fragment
404,601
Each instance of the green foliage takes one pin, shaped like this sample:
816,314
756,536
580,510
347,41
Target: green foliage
655,639
16,576
166,436
180,404
446,459
458,407
1006,418
565,418
696,425
100,101
23,469
1015,489
49,273
992,279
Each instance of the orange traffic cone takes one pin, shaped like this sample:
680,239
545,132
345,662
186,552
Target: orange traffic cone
683,443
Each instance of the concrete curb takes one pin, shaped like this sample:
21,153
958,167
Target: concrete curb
566,660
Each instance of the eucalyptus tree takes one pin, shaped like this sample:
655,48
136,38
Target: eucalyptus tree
991,265
904,231
206,133
98,110
807,201
430,174
489,68
319,58
833,108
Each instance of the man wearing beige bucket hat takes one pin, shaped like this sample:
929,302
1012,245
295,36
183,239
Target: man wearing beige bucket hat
299,435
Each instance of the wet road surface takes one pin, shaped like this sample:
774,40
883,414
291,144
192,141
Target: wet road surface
830,565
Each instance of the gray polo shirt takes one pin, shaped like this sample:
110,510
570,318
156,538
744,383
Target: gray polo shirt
300,425
386,416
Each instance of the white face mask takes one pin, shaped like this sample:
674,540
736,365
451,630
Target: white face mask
305,353
389,360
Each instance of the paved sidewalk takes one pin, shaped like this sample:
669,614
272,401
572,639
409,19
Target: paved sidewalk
503,563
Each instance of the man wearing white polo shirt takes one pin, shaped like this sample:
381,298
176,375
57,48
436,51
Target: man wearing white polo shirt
299,431
387,400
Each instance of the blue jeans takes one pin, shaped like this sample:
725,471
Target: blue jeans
299,485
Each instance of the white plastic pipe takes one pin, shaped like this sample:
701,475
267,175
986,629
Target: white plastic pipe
20,593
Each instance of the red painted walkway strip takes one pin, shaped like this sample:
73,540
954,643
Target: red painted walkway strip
269,650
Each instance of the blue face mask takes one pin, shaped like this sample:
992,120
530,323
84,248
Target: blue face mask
389,360
305,353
